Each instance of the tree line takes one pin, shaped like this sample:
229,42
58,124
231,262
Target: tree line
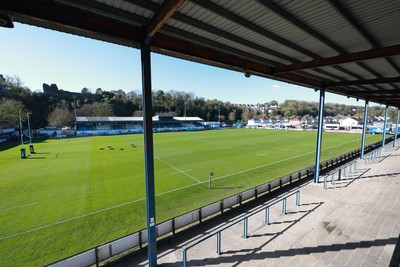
58,107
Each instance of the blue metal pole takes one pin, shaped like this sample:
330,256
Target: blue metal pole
267,216
364,129
284,206
319,134
184,256
384,127
245,227
148,151
298,198
219,243
396,132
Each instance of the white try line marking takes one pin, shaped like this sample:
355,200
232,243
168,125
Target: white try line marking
160,194
17,207
181,171
178,170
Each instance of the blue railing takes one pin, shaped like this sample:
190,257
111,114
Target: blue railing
346,169
245,220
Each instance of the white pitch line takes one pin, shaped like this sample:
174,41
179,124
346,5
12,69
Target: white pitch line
272,163
178,170
141,199
17,207
262,154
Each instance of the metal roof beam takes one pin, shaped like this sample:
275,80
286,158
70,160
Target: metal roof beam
360,82
168,8
296,22
65,18
371,40
390,92
205,27
341,59
343,12
253,27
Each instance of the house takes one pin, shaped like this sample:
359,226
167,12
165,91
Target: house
350,123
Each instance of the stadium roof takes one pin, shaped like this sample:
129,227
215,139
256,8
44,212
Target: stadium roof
108,119
348,47
129,119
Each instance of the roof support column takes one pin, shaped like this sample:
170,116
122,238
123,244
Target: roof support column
384,127
396,131
319,134
148,149
364,129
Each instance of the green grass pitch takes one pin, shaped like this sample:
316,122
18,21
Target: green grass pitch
72,196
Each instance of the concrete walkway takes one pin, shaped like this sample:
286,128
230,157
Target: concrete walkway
355,222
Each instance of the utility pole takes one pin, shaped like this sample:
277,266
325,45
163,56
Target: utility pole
219,113
185,114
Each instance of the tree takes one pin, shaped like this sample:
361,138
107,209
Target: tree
138,113
15,86
99,91
9,110
85,110
246,115
85,90
60,116
102,109
232,116
392,115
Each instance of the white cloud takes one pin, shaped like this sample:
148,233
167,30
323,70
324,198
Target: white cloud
276,86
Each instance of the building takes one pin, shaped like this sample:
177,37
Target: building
6,131
350,123
127,125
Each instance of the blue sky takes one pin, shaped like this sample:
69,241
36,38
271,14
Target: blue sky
40,56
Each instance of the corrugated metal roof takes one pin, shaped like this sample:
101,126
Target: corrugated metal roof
314,43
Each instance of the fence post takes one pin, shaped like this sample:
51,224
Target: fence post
355,166
267,215
333,179
298,198
96,250
325,187
245,227
284,206
184,257
344,171
339,174
219,243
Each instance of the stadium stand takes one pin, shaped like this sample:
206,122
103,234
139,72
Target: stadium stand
6,131
87,126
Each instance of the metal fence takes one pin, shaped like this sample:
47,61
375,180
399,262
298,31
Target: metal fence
245,220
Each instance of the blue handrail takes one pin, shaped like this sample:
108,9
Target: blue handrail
245,225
